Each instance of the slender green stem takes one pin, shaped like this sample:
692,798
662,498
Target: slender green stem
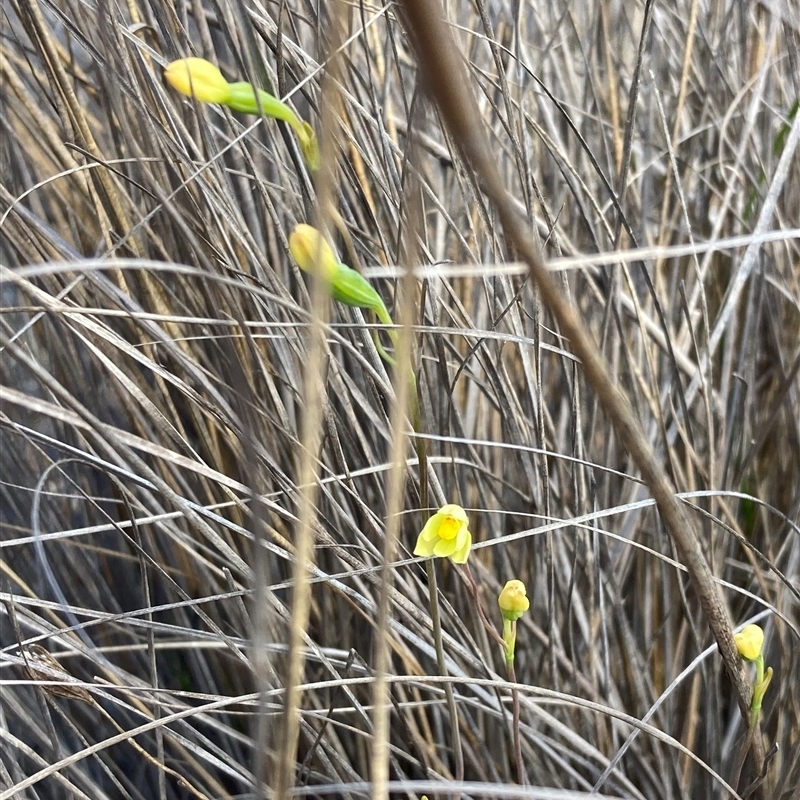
448,687
247,99
510,642
759,670
510,639
383,315
507,642
763,678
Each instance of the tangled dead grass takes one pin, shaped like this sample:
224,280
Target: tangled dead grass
181,422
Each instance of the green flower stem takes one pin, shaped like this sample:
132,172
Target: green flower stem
246,99
383,316
763,678
433,592
416,422
510,639
759,679
509,636
351,288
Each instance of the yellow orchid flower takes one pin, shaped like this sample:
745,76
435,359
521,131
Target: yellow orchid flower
446,535
513,600
198,78
749,642
309,247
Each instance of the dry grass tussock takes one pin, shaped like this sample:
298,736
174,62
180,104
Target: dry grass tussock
187,428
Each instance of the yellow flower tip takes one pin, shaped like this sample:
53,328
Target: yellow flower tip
513,600
309,247
749,642
198,78
446,535
309,146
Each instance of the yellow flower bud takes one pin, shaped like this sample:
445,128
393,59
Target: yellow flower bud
309,247
513,600
749,642
446,534
198,78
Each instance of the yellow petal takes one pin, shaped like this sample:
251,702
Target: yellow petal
463,537
196,77
461,553
444,547
423,548
454,510
430,531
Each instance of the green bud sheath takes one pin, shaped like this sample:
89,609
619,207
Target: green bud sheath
243,96
352,289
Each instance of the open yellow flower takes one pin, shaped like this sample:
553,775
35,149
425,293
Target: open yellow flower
513,600
749,642
198,78
446,535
